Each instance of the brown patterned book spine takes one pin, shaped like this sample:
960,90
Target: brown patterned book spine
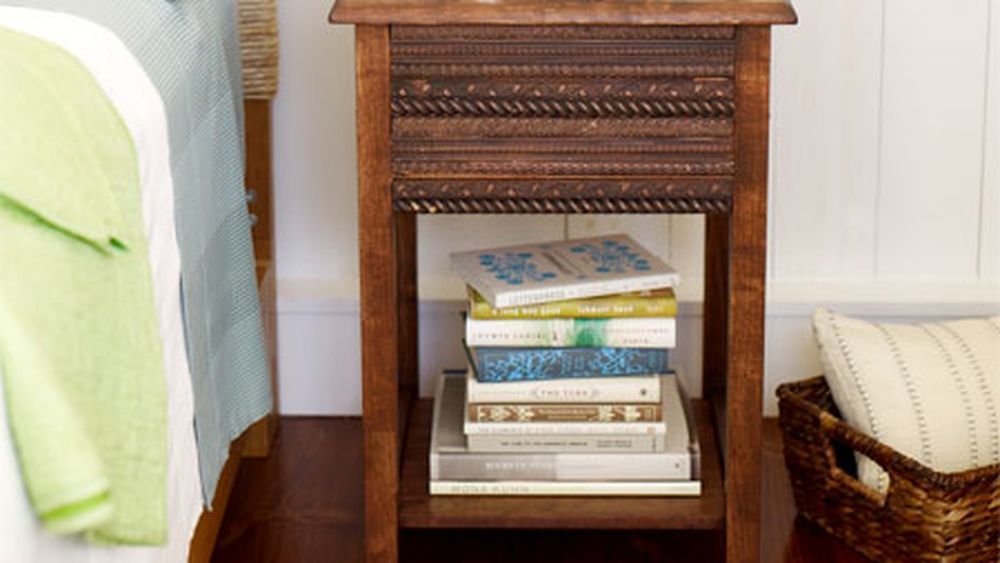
564,413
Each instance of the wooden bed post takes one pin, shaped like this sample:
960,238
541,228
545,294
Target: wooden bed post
257,125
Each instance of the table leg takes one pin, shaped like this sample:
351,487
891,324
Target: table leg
379,311
748,263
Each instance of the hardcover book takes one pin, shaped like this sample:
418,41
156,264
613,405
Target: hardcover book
623,389
566,488
641,304
599,425
526,364
479,412
562,270
451,460
563,443
619,333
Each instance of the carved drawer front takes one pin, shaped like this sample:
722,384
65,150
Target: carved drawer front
562,118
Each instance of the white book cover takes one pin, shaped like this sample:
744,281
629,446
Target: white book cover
608,332
566,488
561,270
557,443
668,394
626,389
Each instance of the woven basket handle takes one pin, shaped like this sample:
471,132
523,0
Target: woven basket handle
837,431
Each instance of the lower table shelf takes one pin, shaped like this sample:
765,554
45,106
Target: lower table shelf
418,509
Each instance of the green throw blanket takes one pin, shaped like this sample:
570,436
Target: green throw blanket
79,346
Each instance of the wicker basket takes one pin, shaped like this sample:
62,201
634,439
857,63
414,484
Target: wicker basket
924,516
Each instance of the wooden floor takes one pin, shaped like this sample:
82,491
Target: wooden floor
304,503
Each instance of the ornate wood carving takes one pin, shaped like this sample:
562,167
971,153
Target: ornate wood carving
496,206
585,147
466,167
574,195
487,128
403,33
589,52
701,88
493,107
582,106
689,69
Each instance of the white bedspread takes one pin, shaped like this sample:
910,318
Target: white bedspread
120,75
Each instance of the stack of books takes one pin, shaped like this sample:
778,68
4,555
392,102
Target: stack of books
568,389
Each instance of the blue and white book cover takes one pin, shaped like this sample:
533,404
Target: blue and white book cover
560,270
534,364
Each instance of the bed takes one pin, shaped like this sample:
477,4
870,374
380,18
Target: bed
172,70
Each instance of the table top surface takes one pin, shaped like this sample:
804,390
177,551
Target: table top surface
565,12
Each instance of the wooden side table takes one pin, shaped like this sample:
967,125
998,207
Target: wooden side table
569,106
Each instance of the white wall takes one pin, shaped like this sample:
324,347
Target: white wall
885,192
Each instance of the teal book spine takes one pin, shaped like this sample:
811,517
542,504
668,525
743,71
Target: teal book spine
494,364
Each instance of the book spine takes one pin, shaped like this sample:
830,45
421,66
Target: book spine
500,443
617,333
642,389
569,488
560,467
571,428
563,413
634,305
519,364
584,290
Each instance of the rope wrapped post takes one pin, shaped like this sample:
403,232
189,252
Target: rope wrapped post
259,48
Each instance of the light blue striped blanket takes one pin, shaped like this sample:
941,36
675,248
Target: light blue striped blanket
190,50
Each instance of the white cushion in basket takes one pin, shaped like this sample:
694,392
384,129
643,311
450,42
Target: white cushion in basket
929,391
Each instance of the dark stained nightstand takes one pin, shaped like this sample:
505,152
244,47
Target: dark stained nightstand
570,106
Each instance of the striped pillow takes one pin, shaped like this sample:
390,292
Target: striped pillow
930,391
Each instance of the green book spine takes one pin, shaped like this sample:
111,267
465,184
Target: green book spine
656,303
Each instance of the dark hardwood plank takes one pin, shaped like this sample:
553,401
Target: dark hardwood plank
578,12
420,510
747,259
304,503
379,321
561,546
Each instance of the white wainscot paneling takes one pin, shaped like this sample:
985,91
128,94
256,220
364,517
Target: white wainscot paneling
440,235
934,83
687,251
651,231
989,229
678,239
315,170
319,357
824,140
441,332
321,364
